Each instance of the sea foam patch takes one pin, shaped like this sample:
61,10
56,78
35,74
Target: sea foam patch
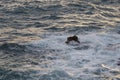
96,57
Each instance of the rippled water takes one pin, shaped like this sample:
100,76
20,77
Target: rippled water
33,35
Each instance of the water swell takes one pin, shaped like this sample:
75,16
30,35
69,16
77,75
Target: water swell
46,54
19,10
13,75
30,75
12,50
83,8
56,75
35,32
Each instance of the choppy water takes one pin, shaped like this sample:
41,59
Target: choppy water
33,35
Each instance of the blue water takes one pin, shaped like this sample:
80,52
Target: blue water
33,35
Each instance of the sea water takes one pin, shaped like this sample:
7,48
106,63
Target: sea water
33,35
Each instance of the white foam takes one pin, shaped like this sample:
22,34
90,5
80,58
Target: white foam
75,61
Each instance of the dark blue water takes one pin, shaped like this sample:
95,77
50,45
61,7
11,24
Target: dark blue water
33,35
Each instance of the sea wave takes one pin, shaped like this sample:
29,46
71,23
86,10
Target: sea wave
33,35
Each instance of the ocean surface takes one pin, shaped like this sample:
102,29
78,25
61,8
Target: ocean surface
33,35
